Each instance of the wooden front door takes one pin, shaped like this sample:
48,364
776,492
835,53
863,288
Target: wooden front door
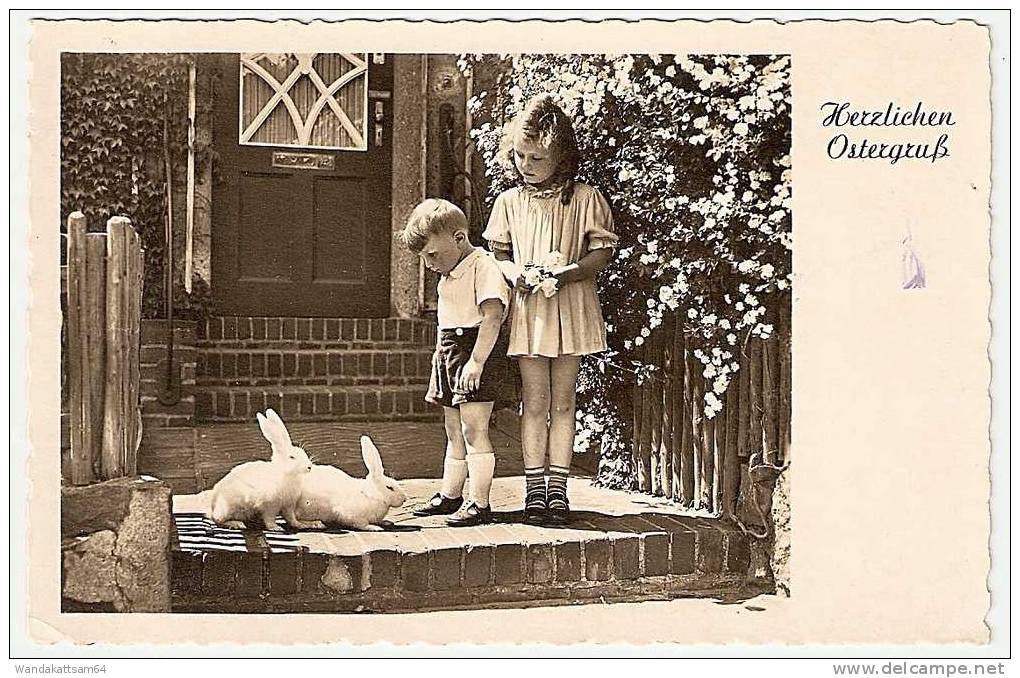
301,198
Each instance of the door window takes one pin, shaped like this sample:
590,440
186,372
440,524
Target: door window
313,100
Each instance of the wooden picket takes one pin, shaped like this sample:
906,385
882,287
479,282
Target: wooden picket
104,298
699,461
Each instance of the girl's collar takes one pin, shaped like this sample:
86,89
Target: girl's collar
549,190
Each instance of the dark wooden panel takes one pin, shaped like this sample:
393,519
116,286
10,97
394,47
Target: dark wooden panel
266,228
339,230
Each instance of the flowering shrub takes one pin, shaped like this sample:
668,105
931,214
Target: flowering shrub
693,154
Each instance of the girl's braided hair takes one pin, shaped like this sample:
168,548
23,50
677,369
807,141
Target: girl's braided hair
542,121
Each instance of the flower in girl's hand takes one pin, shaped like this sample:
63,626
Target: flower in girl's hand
548,287
541,277
533,275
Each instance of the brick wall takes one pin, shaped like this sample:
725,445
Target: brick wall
155,334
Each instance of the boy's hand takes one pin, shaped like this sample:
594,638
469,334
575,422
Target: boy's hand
470,376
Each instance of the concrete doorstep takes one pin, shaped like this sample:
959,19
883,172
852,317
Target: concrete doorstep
619,546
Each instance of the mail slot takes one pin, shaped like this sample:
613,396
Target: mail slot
311,161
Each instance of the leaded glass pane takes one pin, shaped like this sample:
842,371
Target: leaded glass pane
307,100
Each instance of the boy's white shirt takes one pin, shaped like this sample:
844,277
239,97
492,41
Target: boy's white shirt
475,279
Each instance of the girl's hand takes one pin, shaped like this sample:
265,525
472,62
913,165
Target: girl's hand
470,376
565,274
521,283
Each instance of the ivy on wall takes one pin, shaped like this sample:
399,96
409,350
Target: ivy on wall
121,115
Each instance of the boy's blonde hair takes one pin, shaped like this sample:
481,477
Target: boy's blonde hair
431,216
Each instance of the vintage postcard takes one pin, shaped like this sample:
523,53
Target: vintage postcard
505,332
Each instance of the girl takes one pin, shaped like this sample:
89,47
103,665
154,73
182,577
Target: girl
549,216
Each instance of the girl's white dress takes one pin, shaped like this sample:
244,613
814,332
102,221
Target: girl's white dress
533,225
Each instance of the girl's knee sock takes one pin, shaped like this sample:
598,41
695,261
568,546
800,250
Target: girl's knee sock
558,487
534,485
454,473
480,467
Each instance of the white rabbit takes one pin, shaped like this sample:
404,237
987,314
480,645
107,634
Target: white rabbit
263,489
335,498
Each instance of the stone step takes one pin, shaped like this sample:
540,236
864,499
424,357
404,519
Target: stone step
168,453
615,548
243,330
315,403
263,365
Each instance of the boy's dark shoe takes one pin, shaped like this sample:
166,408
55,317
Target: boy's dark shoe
439,506
470,514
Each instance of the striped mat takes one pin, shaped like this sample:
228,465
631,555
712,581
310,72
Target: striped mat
195,532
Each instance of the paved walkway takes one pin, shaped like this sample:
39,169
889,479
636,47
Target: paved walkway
618,546
408,449
596,512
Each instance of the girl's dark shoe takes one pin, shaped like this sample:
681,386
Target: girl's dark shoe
470,514
558,516
536,511
535,516
558,512
439,506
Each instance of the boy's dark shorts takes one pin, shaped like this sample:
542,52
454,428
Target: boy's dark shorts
453,351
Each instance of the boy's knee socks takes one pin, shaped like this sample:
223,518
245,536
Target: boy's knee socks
454,473
480,467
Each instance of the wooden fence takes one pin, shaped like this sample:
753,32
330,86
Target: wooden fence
701,462
104,304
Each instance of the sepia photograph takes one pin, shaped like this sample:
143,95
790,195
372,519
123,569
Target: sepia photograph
390,333
486,335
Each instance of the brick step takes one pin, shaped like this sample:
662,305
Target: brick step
367,331
310,382
614,549
288,346
315,367
315,403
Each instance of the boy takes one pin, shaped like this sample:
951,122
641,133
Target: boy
467,368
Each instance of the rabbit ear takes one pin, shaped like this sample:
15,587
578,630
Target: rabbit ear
278,425
370,454
273,428
265,427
